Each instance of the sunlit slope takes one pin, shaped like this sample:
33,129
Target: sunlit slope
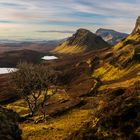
64,48
122,67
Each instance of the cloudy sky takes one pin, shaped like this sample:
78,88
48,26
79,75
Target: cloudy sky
55,19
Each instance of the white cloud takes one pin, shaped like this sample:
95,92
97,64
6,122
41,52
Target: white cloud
63,14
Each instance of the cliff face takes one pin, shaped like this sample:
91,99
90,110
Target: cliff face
137,26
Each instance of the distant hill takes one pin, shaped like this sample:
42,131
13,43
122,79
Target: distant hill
40,46
111,36
83,40
12,58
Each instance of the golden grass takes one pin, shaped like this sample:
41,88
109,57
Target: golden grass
123,84
108,72
20,106
18,109
65,49
135,37
56,129
120,45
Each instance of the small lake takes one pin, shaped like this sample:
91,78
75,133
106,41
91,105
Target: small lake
7,70
49,58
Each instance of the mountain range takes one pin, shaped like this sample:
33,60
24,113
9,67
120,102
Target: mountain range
84,40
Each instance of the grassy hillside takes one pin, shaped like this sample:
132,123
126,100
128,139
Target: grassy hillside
65,49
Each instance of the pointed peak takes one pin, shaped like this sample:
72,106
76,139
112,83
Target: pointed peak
137,26
83,31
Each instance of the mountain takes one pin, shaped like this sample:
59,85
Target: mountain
83,40
111,36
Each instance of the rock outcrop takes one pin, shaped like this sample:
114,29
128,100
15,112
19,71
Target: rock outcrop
9,129
111,36
137,27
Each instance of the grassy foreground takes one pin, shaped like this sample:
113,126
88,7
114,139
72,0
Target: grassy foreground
56,129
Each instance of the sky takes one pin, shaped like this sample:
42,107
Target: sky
57,19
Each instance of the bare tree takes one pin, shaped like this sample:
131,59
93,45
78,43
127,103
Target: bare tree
33,82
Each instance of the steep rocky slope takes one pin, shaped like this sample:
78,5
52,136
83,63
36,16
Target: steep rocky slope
82,41
111,36
120,64
127,51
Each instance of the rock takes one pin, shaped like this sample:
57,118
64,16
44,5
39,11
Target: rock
9,129
137,26
111,36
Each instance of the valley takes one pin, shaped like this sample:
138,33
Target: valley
96,94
